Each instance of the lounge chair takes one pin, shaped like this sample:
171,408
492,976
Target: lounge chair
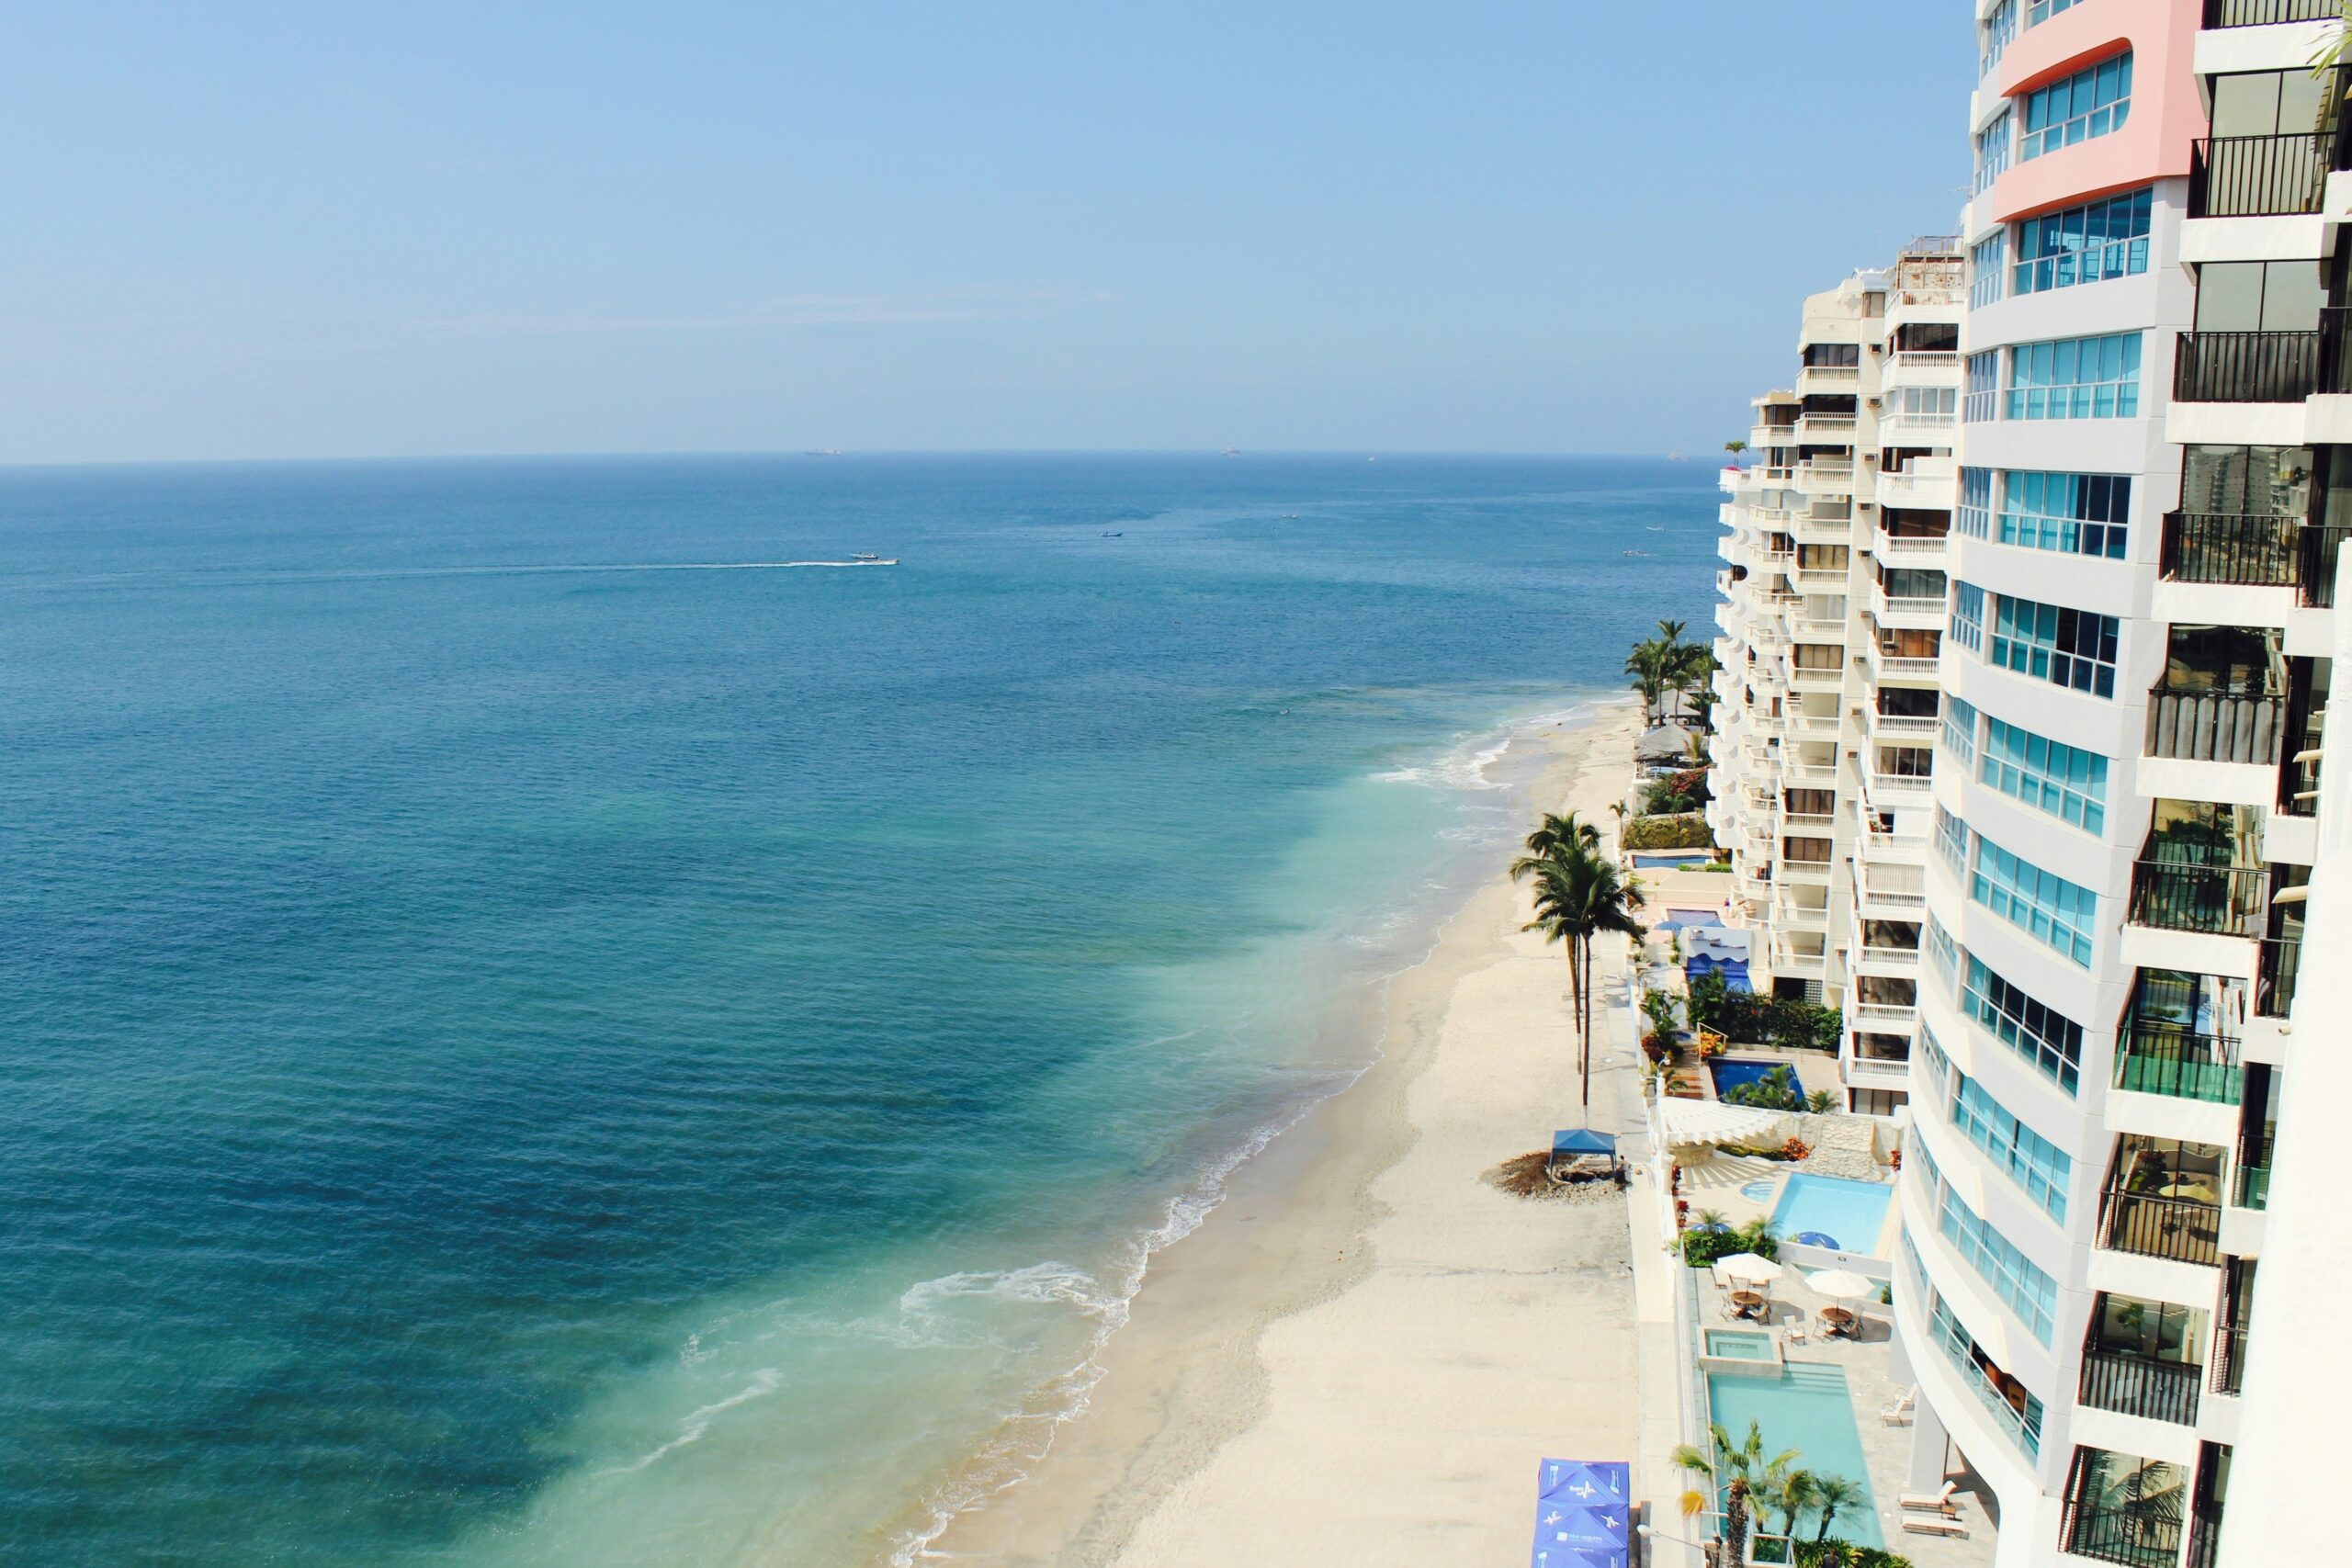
1899,1413
1929,1524
1794,1332
1930,1502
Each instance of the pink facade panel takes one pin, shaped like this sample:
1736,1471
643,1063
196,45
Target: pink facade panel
2167,110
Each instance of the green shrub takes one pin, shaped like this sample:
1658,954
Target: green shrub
1786,1021
1837,1553
1687,831
1702,1244
1680,792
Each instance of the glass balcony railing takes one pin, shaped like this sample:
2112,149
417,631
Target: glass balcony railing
2274,979
2253,1188
2141,1385
2218,900
2152,1225
2160,1058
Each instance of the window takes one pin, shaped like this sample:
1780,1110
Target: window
1923,405
1912,582
1975,512
2064,781
1952,841
2066,647
1984,398
1994,35
2026,1290
1967,617
1833,357
1943,952
2259,297
2018,1152
2246,481
2082,245
2081,514
1992,151
2040,11
2050,1041
2077,378
1959,731
2090,103
1985,262
1996,1388
2046,907
1931,1052
2272,102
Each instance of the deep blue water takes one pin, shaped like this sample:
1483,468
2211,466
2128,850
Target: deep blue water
651,1066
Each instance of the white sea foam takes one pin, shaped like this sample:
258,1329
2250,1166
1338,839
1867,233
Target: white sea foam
764,1381
1465,766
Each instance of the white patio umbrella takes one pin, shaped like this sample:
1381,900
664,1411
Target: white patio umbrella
1841,1286
1748,1267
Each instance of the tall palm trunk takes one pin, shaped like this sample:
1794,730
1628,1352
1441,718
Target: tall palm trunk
1736,1522
1575,983
1584,1031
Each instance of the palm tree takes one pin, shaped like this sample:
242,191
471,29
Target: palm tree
1553,836
1734,447
1651,669
1739,1470
1793,1496
1579,895
1831,1492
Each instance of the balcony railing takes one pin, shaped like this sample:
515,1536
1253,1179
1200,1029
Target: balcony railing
2258,177
2141,1386
2219,547
2252,1190
2216,724
2264,13
2154,1227
2219,900
2246,367
2146,1537
2157,1058
2274,977
2229,1358
2315,571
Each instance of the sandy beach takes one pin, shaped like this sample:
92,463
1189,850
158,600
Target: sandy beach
1366,1349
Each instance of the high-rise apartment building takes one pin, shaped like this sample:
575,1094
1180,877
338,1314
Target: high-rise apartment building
2023,716
1834,602
2134,672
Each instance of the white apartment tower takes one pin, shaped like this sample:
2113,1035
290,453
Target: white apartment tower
1833,611
2127,803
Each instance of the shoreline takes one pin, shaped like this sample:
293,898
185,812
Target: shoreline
1225,1425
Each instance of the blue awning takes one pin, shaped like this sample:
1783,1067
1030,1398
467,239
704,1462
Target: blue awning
1583,1140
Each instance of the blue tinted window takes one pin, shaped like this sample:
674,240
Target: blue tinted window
2083,514
2090,103
2076,378
2082,245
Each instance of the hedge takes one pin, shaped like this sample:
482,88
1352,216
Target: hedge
1687,832
1836,1553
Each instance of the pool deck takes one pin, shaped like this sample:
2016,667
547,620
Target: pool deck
1868,1363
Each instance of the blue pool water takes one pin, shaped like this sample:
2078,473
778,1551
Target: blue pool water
1808,1408
523,1053
1852,1212
1731,1072
1663,859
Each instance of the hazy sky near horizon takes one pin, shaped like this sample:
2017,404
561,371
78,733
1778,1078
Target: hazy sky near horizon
251,230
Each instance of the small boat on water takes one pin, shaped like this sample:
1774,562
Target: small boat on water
828,452
864,555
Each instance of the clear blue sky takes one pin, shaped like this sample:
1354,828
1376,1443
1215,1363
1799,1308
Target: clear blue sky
264,231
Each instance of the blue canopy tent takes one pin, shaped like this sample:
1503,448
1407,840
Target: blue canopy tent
1578,1144
1583,1515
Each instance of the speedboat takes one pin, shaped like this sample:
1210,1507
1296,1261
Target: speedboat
864,555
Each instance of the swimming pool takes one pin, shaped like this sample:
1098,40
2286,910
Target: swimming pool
1739,1345
1731,1072
1806,1408
1849,1214
1659,860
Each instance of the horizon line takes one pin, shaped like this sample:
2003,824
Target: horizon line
1353,453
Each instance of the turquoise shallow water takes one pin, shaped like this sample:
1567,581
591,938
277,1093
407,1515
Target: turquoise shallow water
595,1065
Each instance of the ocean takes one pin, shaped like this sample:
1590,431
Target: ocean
533,1038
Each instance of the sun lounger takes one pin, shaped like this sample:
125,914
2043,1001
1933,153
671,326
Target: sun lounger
1931,1502
1899,1413
1929,1524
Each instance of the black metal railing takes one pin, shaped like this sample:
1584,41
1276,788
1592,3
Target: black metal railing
2221,546
2219,900
2315,570
2154,1227
2163,1058
2258,177
2138,1537
2141,1386
2273,975
2216,724
2264,13
2229,1358
2204,1536
2246,367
